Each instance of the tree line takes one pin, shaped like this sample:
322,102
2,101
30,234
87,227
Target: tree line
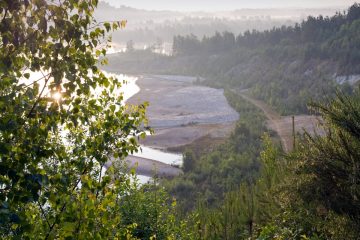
284,66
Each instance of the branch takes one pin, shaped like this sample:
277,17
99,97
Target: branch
6,11
39,97
80,219
38,80
43,213
63,207
97,193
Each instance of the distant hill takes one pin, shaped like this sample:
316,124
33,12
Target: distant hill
286,66
149,27
215,5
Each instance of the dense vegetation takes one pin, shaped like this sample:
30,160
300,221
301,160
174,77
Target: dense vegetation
226,166
53,150
310,193
57,132
285,66
319,190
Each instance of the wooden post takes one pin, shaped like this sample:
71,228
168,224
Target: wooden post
293,132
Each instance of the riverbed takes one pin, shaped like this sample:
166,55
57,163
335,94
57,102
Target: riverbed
180,113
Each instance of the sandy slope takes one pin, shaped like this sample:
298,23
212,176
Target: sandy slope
148,167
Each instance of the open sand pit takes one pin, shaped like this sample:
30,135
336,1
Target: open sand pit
181,112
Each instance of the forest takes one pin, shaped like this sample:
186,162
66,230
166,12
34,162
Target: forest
147,27
284,66
59,132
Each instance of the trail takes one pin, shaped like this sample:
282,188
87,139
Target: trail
283,125
275,120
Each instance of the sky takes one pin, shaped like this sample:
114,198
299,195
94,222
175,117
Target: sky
218,5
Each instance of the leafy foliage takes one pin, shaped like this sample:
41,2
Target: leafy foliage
245,208
154,214
208,176
319,195
310,193
58,132
332,162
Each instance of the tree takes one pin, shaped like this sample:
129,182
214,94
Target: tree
332,162
354,12
155,219
188,161
319,190
58,131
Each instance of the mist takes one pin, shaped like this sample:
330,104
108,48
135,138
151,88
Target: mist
150,27
215,5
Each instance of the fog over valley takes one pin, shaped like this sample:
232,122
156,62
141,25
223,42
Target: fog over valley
215,5
151,28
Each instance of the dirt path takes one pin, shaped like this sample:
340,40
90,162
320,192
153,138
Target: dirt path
275,120
283,125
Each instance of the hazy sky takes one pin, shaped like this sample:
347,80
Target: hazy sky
215,5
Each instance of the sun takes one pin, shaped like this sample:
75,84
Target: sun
57,96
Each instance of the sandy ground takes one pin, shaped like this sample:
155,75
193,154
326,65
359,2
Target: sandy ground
169,138
181,112
149,167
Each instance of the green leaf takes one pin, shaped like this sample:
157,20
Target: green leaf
68,227
107,26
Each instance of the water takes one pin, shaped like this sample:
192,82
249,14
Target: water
157,155
143,179
129,89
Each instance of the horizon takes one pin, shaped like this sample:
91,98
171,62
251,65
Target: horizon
228,5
